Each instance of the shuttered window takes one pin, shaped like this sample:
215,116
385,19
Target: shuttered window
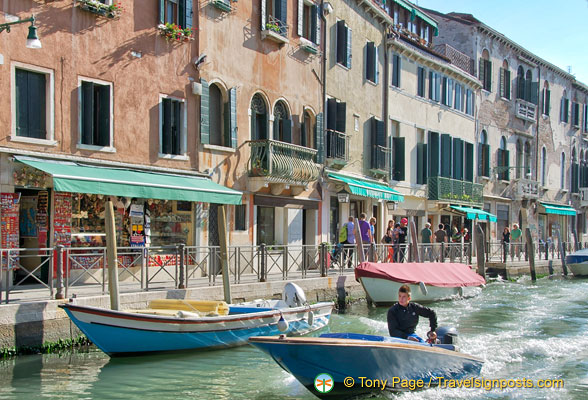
398,168
585,114
483,159
172,127
546,101
505,83
240,214
434,86
458,102
95,114
343,44
564,110
486,74
469,102
370,62
379,144
421,163
469,162
433,154
576,115
309,24
396,68
421,82
31,104
457,159
177,12
446,155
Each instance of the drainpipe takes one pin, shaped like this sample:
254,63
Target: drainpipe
538,116
324,102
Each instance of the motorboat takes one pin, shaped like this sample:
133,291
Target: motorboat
341,365
577,262
178,324
428,281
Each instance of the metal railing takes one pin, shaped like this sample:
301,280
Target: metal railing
455,191
337,145
276,25
283,161
380,158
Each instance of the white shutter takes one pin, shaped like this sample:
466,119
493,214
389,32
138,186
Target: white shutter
263,14
300,17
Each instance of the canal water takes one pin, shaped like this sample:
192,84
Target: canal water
521,330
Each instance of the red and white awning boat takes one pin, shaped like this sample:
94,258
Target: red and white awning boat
428,281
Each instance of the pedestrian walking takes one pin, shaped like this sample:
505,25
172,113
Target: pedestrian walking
426,234
388,239
505,242
440,238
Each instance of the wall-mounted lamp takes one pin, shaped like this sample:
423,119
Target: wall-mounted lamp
33,41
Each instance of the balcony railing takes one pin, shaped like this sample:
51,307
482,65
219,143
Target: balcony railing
285,162
454,191
526,189
380,157
337,146
526,110
583,196
459,59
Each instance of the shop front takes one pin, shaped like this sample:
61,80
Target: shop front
553,221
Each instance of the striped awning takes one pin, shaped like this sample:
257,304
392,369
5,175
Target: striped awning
474,213
362,187
558,209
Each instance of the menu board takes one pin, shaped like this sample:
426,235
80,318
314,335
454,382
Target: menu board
42,217
62,219
9,220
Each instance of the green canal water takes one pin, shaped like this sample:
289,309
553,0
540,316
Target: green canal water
521,330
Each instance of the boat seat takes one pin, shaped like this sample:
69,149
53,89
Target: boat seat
199,306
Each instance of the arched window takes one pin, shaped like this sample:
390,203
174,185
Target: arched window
258,118
562,177
505,81
486,70
503,161
282,123
307,130
215,116
564,108
528,82
575,169
543,165
519,159
483,155
527,161
520,82
546,98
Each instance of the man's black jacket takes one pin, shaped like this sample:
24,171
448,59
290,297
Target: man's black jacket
402,321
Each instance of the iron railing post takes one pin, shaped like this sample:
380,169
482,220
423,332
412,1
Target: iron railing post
323,259
181,248
59,293
262,276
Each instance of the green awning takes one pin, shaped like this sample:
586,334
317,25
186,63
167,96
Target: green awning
558,209
365,188
415,12
474,213
77,178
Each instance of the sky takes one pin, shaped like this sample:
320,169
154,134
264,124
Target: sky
556,31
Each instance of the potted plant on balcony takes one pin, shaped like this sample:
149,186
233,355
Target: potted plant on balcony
106,10
272,27
173,32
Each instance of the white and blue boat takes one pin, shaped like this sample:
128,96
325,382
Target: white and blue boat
342,359
577,262
178,325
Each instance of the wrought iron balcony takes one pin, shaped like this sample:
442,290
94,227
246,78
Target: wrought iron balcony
380,160
583,196
526,189
283,162
455,191
337,146
275,30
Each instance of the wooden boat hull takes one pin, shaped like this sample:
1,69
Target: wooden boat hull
126,333
392,361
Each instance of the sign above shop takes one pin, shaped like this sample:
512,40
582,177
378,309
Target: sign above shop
343,197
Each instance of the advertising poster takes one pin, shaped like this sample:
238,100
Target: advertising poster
28,216
9,220
137,215
62,219
42,217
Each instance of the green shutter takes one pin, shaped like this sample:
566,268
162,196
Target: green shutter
374,142
182,13
486,159
314,25
36,101
22,114
287,130
369,61
507,84
469,162
204,113
303,134
166,130
548,101
433,149
534,92
431,85
446,155
103,115
341,47
482,67
233,118
481,159
87,108
189,15
421,163
341,116
283,16
507,164
319,139
176,127
161,11
488,82
500,163
332,114
376,66
399,159
457,159
348,42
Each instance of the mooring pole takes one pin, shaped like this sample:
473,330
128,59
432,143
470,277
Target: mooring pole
359,242
111,255
415,244
480,240
224,251
531,248
562,253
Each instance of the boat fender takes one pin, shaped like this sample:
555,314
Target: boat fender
423,287
310,318
283,324
460,291
186,314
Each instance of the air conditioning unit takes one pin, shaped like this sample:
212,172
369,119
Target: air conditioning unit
197,88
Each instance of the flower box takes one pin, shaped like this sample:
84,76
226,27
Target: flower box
173,32
101,9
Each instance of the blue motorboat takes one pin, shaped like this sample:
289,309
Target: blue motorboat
347,364
577,262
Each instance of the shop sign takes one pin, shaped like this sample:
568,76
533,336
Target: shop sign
343,197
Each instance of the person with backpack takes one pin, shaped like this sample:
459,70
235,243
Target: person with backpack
349,230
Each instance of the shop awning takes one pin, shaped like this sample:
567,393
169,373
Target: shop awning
415,12
366,188
558,209
474,213
79,178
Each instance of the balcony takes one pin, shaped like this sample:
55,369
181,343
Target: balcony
584,197
457,58
337,148
526,189
283,163
454,191
526,110
380,164
223,5
275,30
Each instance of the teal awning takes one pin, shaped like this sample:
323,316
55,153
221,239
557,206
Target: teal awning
415,12
366,188
558,209
474,213
77,178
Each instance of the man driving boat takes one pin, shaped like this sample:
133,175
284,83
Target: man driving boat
403,318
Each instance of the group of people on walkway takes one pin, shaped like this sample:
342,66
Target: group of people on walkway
514,235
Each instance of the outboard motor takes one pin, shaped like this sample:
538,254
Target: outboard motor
293,295
447,335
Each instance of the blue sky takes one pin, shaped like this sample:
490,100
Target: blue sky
556,31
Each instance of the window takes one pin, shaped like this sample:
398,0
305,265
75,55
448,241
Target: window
564,109
265,225
505,81
396,70
543,165
526,88
458,159
421,82
307,131
172,129
484,155
458,103
398,167
562,178
434,86
519,159
486,71
274,14
259,118
95,111
282,123
379,145
343,44
575,167
546,98
576,115
336,125
371,68
218,115
527,160
503,161
447,92
240,220
469,102
309,24
31,101
520,83
177,12
585,123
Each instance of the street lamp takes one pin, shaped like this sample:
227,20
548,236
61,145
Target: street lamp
33,41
